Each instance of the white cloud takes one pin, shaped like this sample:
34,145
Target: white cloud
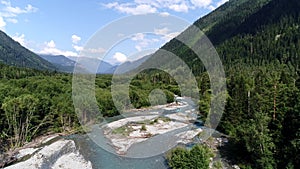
162,31
111,5
179,7
140,9
29,9
77,48
12,20
138,36
2,23
142,42
131,8
135,7
221,2
120,57
166,34
75,39
20,38
6,3
201,3
10,13
50,44
50,49
170,36
213,7
94,51
164,14
140,46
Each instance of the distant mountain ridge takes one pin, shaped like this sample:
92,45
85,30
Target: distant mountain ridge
103,67
130,65
63,63
14,54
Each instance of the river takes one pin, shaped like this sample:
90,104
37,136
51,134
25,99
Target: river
102,158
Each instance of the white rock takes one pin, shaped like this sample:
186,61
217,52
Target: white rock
72,161
53,155
26,151
236,167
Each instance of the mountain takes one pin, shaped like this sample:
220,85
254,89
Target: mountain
107,68
243,29
59,59
258,42
129,65
88,63
63,63
222,23
12,53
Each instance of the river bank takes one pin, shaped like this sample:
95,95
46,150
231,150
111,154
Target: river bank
15,154
51,152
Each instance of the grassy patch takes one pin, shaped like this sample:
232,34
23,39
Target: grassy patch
124,130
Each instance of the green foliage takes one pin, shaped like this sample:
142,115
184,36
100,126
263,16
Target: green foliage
143,128
217,165
262,112
198,157
124,130
258,43
152,87
20,114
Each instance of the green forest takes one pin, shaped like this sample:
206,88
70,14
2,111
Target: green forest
261,58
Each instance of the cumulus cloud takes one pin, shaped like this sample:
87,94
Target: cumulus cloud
50,44
142,42
50,49
77,48
75,39
20,38
138,36
166,34
132,9
157,6
120,57
9,13
162,31
201,3
14,11
165,14
179,7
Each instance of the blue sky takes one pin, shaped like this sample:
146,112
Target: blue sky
64,26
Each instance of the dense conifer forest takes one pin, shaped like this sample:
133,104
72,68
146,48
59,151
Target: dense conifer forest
260,51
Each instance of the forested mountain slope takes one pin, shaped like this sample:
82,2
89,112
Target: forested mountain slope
258,42
251,30
12,53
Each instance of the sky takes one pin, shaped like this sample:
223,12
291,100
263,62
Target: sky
63,27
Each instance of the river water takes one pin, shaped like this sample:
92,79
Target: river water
102,158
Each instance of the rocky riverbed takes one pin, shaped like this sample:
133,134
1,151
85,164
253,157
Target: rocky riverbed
62,154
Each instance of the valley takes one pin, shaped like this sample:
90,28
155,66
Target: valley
155,125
